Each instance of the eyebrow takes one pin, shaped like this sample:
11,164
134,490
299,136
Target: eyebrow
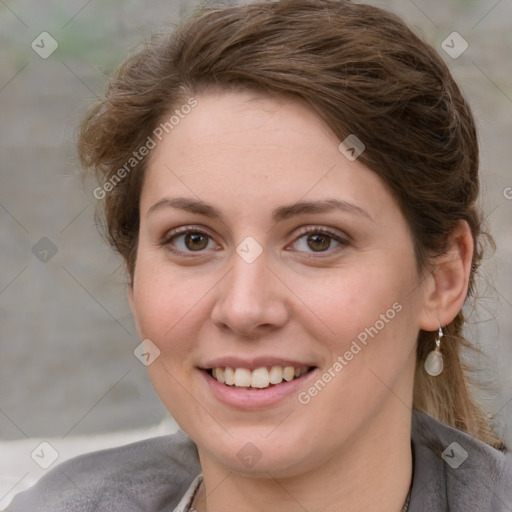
279,214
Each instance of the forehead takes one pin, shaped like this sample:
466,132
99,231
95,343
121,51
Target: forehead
257,150
244,123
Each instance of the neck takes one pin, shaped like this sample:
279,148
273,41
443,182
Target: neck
370,472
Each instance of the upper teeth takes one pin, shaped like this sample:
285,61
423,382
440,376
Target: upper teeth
258,378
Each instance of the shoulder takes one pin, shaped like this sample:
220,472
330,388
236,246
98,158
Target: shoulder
455,471
146,475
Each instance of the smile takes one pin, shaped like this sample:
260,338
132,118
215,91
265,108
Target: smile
259,378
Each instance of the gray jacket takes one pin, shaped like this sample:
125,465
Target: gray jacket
453,472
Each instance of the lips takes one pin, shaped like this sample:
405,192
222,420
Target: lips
256,383
256,399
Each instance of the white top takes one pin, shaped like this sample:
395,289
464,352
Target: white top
185,504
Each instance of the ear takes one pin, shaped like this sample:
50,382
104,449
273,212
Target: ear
445,289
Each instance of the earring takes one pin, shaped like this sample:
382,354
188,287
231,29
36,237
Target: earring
434,361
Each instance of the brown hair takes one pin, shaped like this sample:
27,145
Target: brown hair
365,73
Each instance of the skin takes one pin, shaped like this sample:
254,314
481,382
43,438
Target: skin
349,447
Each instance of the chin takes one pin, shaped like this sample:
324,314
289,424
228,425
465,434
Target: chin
278,456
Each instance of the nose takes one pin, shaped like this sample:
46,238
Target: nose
250,300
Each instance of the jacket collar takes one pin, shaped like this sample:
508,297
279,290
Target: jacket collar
455,471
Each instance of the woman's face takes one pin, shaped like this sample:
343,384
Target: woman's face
295,257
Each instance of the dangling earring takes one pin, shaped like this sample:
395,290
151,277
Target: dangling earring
434,361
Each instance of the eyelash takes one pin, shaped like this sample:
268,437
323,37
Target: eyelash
166,241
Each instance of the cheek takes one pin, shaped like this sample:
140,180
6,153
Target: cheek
373,317
349,299
369,313
166,309
167,304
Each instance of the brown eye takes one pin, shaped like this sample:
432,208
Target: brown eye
196,241
319,242
184,241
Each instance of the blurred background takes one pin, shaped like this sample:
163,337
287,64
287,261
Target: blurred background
67,366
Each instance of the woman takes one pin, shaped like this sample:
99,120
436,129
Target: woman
293,186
